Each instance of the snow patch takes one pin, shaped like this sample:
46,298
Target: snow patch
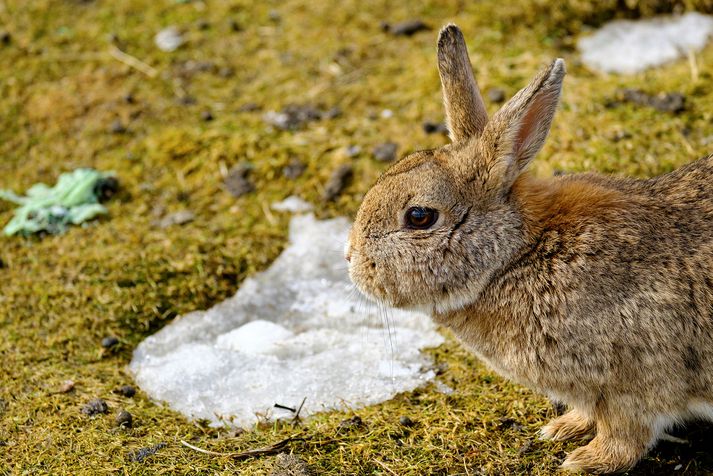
298,329
627,47
292,204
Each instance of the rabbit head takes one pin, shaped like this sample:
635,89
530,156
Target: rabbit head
439,223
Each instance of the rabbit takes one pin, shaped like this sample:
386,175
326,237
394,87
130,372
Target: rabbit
593,290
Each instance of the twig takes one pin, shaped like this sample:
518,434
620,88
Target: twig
133,62
267,450
299,409
283,407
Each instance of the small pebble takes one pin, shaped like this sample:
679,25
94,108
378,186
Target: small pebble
124,419
66,387
678,467
186,100
249,107
226,72
295,116
352,151
178,218
95,407
496,95
337,182
332,113
141,454
506,422
290,465
405,28
234,25
294,169
406,421
665,102
350,424
117,127
237,182
385,152
126,391
206,116
430,127
387,114
169,39
109,342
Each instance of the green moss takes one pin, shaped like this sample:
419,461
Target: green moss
123,276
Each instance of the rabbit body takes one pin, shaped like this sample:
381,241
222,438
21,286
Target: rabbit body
596,291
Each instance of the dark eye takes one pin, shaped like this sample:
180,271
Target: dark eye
420,218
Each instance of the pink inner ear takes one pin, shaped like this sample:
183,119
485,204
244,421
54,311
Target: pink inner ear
530,130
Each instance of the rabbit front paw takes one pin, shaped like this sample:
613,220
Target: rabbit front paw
571,425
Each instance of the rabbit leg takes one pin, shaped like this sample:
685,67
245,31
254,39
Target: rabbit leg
573,424
620,443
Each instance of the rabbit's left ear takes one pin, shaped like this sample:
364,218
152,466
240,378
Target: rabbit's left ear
517,132
465,110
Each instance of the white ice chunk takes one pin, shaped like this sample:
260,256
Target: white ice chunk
255,337
293,204
627,47
298,329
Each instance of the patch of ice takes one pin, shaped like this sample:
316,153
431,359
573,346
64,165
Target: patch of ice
292,204
296,330
627,47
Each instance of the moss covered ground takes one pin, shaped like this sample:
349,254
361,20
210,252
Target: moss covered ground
66,102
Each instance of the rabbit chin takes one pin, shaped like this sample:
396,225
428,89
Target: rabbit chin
453,302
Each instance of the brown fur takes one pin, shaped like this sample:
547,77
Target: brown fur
593,290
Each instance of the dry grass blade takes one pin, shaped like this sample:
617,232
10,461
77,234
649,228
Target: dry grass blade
264,451
133,62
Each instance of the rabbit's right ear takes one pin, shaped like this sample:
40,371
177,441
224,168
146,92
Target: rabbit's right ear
465,110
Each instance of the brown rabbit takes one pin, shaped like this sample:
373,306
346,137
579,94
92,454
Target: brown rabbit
596,291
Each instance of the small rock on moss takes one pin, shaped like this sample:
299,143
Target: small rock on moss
109,342
126,391
496,95
124,419
290,465
141,454
430,127
238,182
178,218
385,152
294,169
350,424
406,421
95,406
337,182
405,28
117,127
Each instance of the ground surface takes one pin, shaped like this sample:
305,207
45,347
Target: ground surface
66,102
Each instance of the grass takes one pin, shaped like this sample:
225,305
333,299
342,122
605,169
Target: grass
60,93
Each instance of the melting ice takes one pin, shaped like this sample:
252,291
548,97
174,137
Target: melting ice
297,330
627,47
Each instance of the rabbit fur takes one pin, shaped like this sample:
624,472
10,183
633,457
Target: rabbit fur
593,290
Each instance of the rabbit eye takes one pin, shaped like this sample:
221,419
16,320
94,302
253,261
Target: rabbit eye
420,218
